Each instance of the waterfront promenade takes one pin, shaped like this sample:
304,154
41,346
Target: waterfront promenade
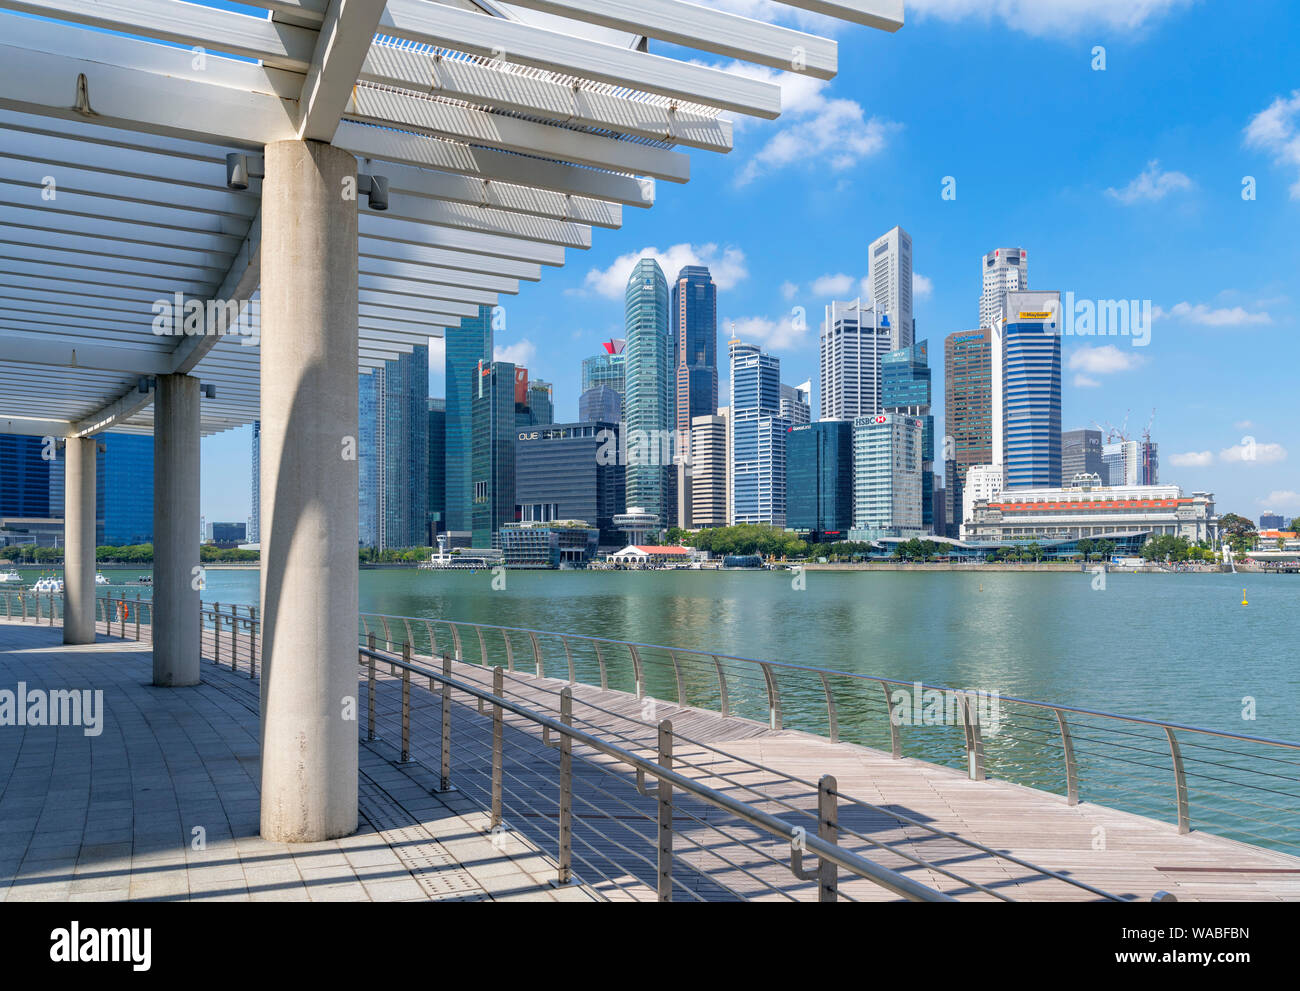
113,816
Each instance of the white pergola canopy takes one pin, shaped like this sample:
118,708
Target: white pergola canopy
505,133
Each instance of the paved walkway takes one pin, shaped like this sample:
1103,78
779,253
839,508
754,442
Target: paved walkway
163,804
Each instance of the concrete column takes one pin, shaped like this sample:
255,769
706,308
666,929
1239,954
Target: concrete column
79,458
176,531
309,493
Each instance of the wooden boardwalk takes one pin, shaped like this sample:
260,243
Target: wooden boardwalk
895,812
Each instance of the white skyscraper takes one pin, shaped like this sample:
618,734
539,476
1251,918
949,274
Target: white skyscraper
1005,270
889,261
982,482
796,407
851,348
887,473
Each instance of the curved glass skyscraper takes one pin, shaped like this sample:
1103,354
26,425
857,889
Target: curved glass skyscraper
648,402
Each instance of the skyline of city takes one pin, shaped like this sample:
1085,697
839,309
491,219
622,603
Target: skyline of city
769,224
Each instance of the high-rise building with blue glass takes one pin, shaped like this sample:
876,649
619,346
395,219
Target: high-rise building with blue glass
694,345
906,389
125,485
393,442
492,461
255,503
437,509
608,368
758,435
819,479
648,401
467,346
600,403
1027,391
24,477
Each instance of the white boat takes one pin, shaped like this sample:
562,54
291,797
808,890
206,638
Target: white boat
48,585
10,577
101,580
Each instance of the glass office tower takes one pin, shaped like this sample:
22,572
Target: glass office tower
437,509
758,434
694,338
905,388
492,463
467,345
648,400
1027,391
819,479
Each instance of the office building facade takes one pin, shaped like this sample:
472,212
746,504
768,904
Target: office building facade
694,345
1005,270
854,339
1131,462
602,403
609,368
1027,391
796,403
492,466
819,479
125,490
255,501
889,261
968,413
392,452
1081,454
906,389
758,437
648,400
436,513
706,484
571,471
887,476
467,346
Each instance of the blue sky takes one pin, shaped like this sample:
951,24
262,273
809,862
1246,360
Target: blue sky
1125,183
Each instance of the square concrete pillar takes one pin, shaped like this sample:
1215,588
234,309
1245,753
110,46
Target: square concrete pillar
309,492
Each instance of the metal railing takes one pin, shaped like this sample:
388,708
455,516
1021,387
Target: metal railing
670,790
1239,785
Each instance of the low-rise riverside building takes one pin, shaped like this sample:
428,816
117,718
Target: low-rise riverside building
553,544
1089,509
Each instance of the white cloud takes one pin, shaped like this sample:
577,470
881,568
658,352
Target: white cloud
1104,360
1282,500
1052,17
922,287
774,335
1192,459
789,290
520,353
1250,451
839,285
727,266
1206,316
1151,185
816,131
1243,424
437,358
1084,382
1276,130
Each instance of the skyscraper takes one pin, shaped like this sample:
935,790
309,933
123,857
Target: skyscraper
467,345
608,368
648,398
1130,462
393,443
707,492
796,406
1006,270
570,471
819,478
758,437
125,489
437,509
1027,391
694,334
492,462
968,407
887,476
853,340
905,388
601,404
1081,455
541,402
890,263
25,478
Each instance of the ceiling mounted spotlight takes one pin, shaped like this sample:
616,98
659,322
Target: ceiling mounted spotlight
237,170
208,390
375,188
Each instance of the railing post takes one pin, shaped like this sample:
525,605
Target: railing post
406,702
828,828
388,634
537,655
568,657
252,642
636,670
1071,769
234,636
677,676
974,739
410,637
566,789
370,687
38,607
832,714
600,659
52,615
444,781
23,596
455,639
895,740
498,689
433,644
722,686
510,651
216,631
482,646
1180,782
664,792
137,616
774,718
